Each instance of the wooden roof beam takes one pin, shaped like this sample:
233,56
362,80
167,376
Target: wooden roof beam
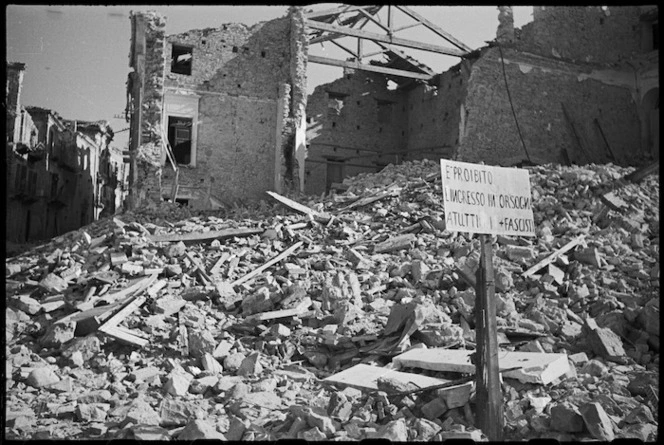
331,11
366,67
433,27
385,39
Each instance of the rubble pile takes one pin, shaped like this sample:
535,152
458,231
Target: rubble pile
301,320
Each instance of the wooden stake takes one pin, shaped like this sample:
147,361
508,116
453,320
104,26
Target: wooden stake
489,394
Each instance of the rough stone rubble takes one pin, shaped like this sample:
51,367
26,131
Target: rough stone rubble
231,351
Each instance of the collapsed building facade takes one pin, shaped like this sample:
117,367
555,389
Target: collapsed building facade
221,115
61,174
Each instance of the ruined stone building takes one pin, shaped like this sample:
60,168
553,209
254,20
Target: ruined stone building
598,66
226,102
57,177
221,115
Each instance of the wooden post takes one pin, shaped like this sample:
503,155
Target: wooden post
489,401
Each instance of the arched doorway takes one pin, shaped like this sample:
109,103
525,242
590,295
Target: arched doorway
650,106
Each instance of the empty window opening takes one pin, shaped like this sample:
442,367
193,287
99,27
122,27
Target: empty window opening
334,124
235,49
183,202
203,42
358,127
181,58
262,53
179,136
335,103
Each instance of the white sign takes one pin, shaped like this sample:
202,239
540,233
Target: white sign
486,199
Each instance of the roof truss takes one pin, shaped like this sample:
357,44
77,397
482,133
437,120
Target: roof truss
330,25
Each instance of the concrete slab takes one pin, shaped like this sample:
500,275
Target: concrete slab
364,377
537,367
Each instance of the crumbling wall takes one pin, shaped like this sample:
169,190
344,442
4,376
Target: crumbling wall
538,86
237,71
588,34
351,128
145,98
434,114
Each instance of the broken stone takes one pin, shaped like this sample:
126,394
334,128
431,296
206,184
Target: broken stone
141,412
434,409
394,431
178,382
27,304
211,364
233,362
200,429
53,283
150,432
595,367
597,421
606,343
58,334
175,412
41,377
201,343
94,412
250,365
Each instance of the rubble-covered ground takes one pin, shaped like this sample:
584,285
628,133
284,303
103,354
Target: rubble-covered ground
365,275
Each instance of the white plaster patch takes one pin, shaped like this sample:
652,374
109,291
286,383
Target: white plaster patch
525,69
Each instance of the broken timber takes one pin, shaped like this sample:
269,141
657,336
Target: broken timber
206,236
318,216
551,258
273,261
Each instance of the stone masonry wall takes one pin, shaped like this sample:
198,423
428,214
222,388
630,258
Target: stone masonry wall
538,86
434,114
586,34
236,71
354,128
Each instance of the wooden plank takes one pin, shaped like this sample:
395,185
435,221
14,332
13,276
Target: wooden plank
124,335
136,286
206,236
217,266
435,28
551,258
395,243
365,377
123,313
488,388
370,199
331,11
606,143
641,173
373,68
251,275
283,313
535,367
383,38
320,216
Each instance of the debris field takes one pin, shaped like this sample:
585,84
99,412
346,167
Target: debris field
344,317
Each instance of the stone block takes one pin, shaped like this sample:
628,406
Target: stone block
434,409
41,377
597,421
606,343
200,429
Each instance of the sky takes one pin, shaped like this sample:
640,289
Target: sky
77,56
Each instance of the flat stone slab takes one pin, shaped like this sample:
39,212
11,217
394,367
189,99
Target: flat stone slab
365,377
537,367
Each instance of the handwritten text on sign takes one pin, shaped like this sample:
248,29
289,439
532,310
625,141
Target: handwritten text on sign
486,199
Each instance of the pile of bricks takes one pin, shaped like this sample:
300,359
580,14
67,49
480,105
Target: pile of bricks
240,326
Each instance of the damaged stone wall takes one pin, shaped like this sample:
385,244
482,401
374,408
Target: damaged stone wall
237,72
538,87
145,96
434,114
345,123
600,34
